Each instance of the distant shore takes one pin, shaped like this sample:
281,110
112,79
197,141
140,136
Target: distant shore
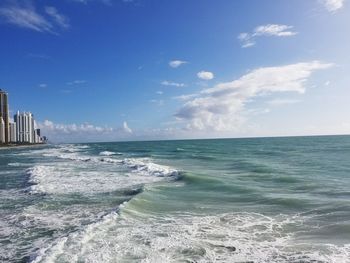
12,146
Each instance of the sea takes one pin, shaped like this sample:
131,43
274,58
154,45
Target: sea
223,200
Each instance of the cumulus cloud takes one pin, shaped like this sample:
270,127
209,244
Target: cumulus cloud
221,108
249,39
333,5
176,63
26,16
174,84
206,75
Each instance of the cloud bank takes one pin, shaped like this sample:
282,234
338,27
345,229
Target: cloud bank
59,132
221,108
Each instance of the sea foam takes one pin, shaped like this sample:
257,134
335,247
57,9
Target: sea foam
233,237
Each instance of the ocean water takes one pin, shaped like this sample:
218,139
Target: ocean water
226,200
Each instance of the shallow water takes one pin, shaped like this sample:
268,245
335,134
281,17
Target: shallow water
229,200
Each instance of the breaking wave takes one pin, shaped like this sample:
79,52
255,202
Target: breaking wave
232,237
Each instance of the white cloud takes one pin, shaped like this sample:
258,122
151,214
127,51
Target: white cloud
282,101
174,84
274,30
186,97
159,92
206,75
158,102
176,63
221,108
126,127
50,127
66,91
76,82
248,39
82,132
43,85
26,17
60,19
333,5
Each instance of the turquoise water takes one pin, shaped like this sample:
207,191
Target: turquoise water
227,200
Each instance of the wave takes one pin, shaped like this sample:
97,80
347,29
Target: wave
141,166
71,178
17,164
108,153
145,167
66,153
110,160
232,237
52,252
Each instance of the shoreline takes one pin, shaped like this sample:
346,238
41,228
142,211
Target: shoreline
16,146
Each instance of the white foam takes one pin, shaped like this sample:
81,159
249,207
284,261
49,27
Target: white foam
141,166
68,152
68,180
73,156
146,167
86,178
235,237
107,153
17,164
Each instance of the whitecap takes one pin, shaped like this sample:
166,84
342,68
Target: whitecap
233,237
146,167
107,153
17,164
88,179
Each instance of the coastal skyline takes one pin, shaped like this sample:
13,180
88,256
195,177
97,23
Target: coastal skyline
19,130
136,70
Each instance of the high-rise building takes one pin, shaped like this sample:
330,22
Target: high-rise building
37,136
25,127
2,130
4,113
13,132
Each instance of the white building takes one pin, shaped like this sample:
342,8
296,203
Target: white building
37,138
2,131
25,127
13,132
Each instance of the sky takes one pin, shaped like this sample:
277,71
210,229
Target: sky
109,70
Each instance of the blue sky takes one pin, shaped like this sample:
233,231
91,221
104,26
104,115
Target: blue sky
99,70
